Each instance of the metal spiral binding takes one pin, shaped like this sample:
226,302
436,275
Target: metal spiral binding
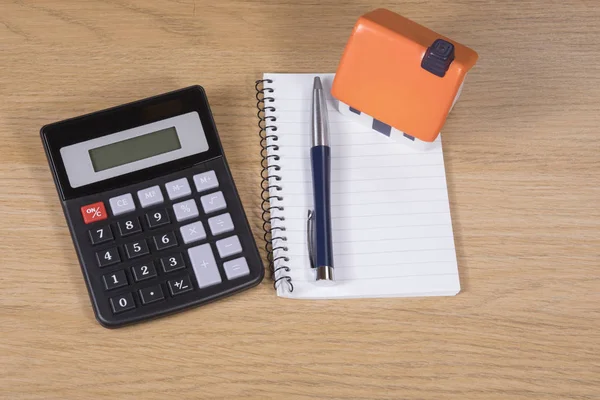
268,172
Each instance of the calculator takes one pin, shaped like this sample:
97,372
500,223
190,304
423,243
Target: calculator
152,207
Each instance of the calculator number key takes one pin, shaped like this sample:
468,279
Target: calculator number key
180,285
115,280
157,218
164,241
151,294
108,257
93,212
172,263
122,303
100,234
137,249
143,272
129,226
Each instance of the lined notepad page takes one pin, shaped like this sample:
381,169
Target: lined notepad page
392,231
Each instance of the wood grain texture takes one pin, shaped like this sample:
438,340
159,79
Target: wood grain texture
523,161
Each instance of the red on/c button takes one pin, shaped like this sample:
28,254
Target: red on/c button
93,212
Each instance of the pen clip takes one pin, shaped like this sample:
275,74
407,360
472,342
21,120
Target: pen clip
310,236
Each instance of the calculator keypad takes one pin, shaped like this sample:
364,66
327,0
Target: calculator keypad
220,224
213,202
204,265
129,226
115,280
143,271
108,257
100,234
165,241
93,212
166,244
229,246
151,294
157,218
236,268
206,181
136,249
122,204
180,286
178,188
193,232
122,303
149,197
185,210
172,263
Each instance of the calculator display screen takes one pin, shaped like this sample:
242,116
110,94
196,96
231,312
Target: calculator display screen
119,153
134,149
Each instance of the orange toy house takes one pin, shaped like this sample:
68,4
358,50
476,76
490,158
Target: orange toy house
400,78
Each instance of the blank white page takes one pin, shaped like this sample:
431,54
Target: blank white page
392,231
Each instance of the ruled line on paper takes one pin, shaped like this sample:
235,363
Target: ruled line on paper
379,252
348,229
382,277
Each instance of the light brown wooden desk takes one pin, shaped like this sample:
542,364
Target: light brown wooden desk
522,151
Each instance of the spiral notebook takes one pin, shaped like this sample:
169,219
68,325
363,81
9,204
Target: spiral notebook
392,231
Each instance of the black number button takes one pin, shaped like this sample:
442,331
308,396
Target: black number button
129,226
172,263
143,272
115,280
137,249
122,303
157,218
101,234
165,241
180,285
151,294
108,257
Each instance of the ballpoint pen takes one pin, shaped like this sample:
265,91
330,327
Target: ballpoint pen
319,220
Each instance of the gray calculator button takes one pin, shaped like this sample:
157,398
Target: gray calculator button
205,267
213,202
192,232
206,181
179,188
151,196
185,210
229,246
122,204
236,268
220,224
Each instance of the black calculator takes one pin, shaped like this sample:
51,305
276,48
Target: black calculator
152,207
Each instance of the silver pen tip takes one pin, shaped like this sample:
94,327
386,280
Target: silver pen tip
324,276
317,83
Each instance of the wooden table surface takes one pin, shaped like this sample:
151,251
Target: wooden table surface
523,161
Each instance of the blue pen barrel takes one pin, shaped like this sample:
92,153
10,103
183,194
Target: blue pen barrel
321,174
